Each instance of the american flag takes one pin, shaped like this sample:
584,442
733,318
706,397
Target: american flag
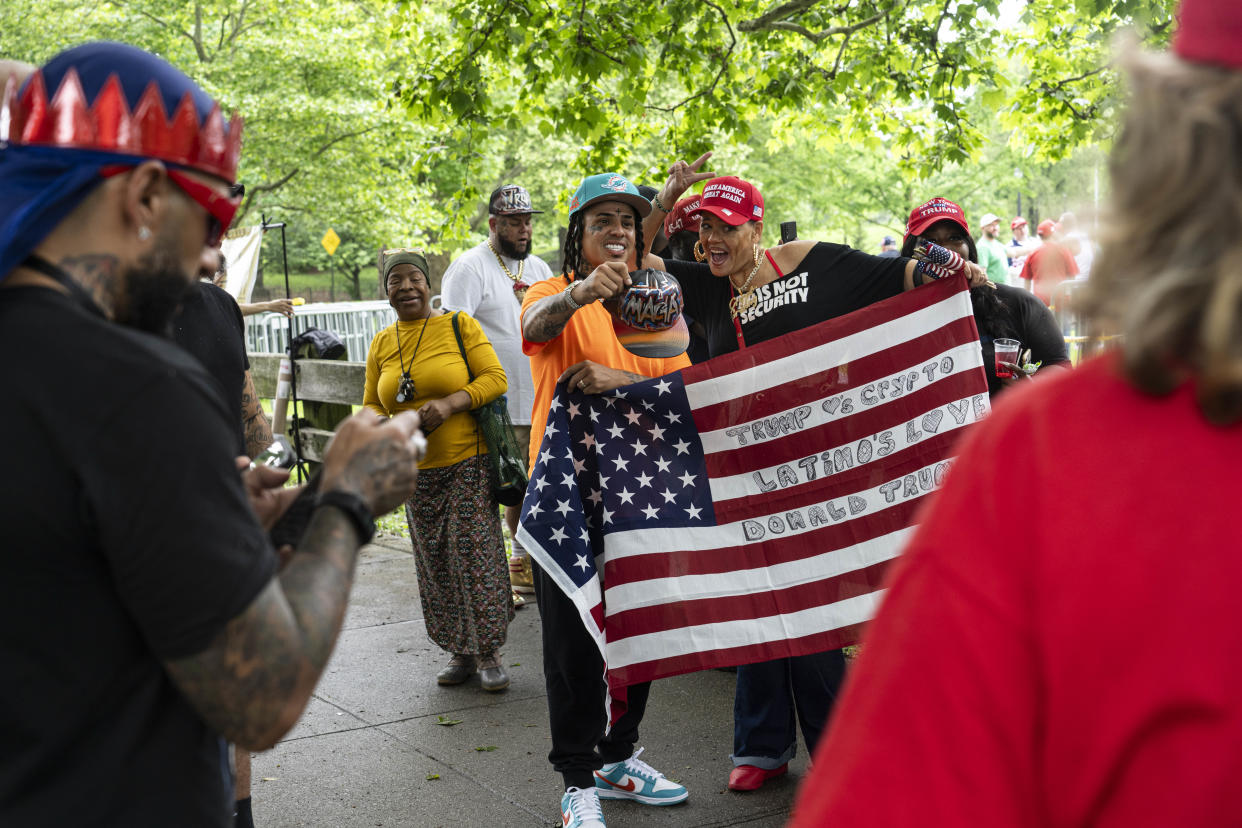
745,509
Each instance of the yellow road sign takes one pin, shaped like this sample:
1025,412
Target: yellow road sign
330,241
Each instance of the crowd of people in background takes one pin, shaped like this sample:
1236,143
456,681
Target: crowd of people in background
1060,669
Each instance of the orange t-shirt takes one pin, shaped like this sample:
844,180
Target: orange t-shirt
588,335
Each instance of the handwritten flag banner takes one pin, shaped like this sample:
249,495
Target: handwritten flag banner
745,509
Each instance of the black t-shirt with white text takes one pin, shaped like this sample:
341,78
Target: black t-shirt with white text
129,541
830,281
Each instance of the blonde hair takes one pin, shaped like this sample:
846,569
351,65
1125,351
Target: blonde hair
1169,276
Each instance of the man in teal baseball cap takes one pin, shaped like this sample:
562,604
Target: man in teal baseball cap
569,337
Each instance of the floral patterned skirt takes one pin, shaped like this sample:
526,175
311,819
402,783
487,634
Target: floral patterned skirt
463,579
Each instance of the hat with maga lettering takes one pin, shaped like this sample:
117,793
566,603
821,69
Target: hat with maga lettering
647,318
930,212
731,200
683,218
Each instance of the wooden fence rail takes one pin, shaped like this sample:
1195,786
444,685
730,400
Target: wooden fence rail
317,381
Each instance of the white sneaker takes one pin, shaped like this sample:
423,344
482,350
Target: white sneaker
580,809
636,780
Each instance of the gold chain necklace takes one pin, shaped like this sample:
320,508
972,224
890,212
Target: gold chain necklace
745,298
519,287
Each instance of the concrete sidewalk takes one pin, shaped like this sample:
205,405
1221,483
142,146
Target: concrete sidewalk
374,747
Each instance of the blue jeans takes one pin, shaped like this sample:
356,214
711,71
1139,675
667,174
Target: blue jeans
768,696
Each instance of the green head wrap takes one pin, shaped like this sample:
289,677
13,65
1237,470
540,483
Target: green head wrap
404,255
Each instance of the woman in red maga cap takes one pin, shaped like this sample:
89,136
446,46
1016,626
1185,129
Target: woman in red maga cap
734,293
1001,311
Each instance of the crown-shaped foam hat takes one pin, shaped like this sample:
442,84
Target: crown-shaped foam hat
108,124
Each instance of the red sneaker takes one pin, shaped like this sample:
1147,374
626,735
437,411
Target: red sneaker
751,778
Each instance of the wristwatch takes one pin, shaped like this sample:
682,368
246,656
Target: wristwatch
569,297
354,507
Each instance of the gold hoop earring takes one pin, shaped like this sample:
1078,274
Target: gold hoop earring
700,255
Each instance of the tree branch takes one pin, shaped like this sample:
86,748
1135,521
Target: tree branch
825,33
724,64
252,191
776,13
198,45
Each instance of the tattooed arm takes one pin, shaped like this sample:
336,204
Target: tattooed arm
255,424
545,319
252,683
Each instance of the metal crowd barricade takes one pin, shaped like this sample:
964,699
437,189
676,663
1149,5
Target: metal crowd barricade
356,323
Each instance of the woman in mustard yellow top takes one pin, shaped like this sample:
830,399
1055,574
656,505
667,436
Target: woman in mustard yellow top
416,364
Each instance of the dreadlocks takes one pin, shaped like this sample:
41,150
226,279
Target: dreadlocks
571,252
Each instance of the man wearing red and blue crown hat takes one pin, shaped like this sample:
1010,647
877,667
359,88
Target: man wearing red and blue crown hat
142,617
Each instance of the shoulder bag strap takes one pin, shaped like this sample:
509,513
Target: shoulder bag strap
461,346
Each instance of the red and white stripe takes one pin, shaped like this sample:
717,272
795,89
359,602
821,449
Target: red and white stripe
682,599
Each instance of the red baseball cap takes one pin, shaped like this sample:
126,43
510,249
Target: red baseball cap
1046,228
1017,222
683,216
1210,31
930,212
731,200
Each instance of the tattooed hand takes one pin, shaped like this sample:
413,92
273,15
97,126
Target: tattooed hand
266,489
605,282
373,458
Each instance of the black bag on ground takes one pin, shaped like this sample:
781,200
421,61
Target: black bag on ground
506,465
316,344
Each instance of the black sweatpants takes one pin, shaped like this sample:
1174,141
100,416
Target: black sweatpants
573,671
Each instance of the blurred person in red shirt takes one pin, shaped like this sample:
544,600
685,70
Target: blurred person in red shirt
1072,670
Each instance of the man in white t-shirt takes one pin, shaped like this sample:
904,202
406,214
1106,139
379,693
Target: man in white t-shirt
489,282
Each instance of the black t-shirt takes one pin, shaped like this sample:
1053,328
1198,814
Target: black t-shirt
129,540
210,326
1032,324
831,280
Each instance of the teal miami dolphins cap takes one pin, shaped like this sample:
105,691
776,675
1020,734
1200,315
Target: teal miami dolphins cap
608,187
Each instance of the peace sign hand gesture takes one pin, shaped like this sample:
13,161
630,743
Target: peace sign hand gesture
681,176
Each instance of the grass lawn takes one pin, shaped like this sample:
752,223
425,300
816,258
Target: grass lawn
303,283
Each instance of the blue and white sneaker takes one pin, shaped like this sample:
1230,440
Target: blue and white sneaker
580,809
636,780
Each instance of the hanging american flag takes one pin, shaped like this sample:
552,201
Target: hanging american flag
745,509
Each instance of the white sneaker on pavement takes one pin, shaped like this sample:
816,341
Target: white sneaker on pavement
636,780
580,809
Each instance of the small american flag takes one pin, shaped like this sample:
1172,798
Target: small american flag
745,509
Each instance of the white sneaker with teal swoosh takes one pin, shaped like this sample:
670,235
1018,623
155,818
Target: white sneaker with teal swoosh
636,780
580,809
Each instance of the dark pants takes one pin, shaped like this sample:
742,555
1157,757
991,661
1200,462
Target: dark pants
767,697
573,671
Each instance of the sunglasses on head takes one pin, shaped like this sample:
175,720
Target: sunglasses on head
220,208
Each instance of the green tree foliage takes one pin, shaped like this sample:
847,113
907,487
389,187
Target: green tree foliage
313,84
883,75
391,123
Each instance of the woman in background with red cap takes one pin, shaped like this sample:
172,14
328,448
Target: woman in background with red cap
745,295
1073,670
1001,311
